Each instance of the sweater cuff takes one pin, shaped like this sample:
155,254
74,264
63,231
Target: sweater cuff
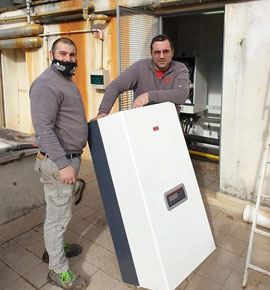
62,162
151,96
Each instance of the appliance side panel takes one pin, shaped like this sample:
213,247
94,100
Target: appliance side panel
111,206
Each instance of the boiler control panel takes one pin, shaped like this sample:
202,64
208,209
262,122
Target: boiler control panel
175,196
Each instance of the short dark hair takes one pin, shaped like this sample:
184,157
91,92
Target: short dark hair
63,40
161,37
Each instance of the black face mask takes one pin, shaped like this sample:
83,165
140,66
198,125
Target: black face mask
65,68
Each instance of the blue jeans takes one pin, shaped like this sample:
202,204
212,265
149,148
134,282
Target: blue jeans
59,198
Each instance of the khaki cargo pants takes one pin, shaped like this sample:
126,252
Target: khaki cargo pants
59,198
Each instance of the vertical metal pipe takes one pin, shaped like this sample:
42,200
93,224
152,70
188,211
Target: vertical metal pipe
2,104
28,3
101,39
47,51
118,38
118,50
101,53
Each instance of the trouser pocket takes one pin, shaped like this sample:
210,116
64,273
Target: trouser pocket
39,160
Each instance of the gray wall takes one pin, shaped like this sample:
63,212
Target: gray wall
246,97
20,188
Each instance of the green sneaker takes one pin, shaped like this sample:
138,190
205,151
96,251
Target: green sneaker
67,280
71,250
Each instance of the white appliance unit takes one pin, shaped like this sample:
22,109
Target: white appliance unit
197,100
151,196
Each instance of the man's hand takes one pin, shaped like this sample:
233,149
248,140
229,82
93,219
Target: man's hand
141,100
67,175
101,115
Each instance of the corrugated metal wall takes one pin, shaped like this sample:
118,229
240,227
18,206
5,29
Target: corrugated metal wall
136,30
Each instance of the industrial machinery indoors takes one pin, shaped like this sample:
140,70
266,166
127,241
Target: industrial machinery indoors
198,40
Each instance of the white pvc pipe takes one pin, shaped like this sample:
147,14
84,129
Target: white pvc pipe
249,215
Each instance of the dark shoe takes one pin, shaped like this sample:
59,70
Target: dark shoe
80,186
71,250
67,280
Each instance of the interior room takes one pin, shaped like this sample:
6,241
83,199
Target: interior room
198,40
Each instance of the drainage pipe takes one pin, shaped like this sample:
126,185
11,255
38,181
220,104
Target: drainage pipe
26,30
249,215
27,42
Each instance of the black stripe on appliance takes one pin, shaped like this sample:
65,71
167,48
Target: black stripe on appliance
111,205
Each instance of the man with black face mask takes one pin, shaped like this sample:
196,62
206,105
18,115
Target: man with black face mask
61,132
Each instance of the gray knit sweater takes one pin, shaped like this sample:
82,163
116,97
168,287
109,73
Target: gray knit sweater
58,116
141,77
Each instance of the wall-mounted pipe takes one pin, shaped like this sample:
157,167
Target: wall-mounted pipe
85,10
174,4
94,17
202,154
28,10
39,15
202,139
102,39
88,30
27,42
26,30
44,2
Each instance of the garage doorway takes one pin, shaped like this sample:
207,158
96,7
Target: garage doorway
198,40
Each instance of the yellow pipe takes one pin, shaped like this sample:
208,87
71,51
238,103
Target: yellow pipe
57,12
99,17
26,42
204,154
26,30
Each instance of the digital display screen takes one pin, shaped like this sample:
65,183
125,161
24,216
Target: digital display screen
97,79
173,197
